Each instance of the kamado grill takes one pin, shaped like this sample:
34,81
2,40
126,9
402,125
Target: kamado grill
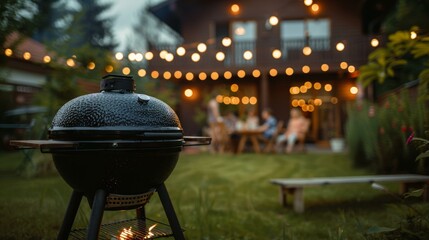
116,148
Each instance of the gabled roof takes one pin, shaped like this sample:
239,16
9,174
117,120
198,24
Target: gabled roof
167,12
21,44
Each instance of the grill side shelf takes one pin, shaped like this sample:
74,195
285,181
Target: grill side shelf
42,144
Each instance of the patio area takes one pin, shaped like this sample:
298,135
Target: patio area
219,197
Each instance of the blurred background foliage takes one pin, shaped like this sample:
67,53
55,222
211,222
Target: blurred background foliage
399,75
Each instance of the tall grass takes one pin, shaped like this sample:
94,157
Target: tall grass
215,197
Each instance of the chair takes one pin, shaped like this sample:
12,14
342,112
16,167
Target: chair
270,143
300,142
220,137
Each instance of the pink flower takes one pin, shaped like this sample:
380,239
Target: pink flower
410,138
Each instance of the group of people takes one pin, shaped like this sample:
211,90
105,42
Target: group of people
295,130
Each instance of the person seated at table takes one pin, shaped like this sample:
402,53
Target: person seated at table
296,129
270,124
230,121
252,120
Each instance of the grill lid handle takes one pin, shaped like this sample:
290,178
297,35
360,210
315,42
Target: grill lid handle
118,83
196,141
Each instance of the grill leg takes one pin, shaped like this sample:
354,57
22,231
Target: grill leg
70,215
169,211
96,214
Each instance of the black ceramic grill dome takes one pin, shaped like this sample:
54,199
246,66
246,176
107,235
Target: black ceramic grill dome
116,111
128,143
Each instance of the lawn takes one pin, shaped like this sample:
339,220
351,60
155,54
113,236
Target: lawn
217,197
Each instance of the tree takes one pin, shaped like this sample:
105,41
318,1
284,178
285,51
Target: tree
408,13
404,58
88,27
14,17
50,20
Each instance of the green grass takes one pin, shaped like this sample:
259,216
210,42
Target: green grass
216,197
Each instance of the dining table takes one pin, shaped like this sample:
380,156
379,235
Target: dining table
246,135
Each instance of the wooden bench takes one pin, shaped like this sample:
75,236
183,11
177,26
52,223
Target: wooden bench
295,186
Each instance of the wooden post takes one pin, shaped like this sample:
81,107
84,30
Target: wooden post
283,196
298,200
264,90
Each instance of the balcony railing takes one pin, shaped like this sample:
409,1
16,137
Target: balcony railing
323,51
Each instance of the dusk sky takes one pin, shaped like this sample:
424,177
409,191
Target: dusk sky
125,13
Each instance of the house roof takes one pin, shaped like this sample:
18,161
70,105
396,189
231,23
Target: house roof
167,12
21,44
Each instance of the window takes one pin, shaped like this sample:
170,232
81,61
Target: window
296,34
244,38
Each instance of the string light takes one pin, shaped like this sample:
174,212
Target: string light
214,75
70,62
189,93
132,56
46,59
141,72
91,66
241,73
201,47
317,85
354,90
324,67
374,42
220,56
351,69
315,8
166,75
8,52
253,100
109,68
169,57
202,76
163,54
235,9
235,100
177,74
305,69
247,55
195,57
273,20
273,72
289,71
256,73
154,74
340,47
343,65
126,70
306,50
234,87
245,100
226,100
26,56
139,57
308,2
413,35
226,41
277,53
227,75
148,56
181,51
189,76
119,56
328,87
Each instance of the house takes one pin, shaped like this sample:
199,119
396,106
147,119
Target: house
273,54
24,70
